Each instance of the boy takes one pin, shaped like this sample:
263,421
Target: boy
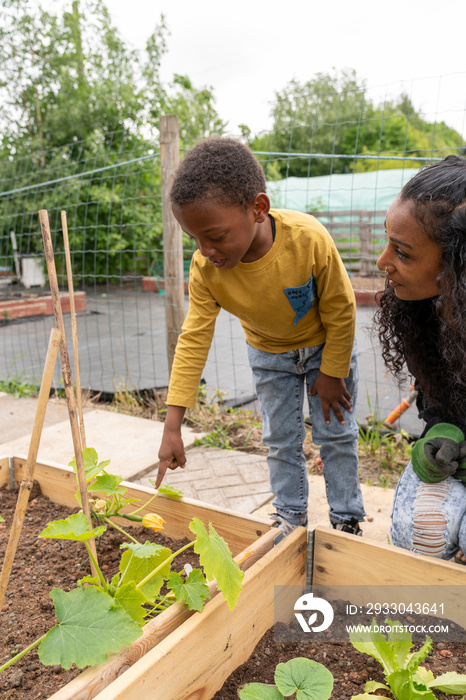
279,272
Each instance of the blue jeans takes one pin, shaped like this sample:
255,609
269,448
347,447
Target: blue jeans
429,518
280,380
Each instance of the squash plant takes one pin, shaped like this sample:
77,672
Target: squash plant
100,615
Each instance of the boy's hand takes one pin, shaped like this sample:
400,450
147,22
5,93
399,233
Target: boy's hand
171,454
332,392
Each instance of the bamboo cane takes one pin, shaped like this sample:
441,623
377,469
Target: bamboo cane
26,484
74,329
66,372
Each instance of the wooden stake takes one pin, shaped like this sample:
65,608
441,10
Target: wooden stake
74,329
66,372
27,481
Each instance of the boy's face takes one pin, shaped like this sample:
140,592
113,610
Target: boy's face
225,234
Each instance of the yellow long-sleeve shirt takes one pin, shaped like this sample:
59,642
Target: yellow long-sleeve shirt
272,299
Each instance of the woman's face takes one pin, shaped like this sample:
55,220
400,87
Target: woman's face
411,260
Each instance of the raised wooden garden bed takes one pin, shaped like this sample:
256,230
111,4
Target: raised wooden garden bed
184,654
188,656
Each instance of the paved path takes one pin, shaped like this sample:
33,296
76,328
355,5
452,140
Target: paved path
225,478
122,345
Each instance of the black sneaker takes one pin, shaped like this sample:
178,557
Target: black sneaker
350,526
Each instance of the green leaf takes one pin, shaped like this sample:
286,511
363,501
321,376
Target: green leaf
259,691
416,658
217,561
89,627
425,675
364,696
131,600
108,484
93,580
74,527
370,641
309,679
91,466
1,519
374,685
148,549
139,560
194,591
404,686
451,683
168,491
401,641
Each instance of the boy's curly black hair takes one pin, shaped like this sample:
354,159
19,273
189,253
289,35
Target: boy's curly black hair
218,168
429,336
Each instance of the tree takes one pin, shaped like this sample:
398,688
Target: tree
332,114
75,99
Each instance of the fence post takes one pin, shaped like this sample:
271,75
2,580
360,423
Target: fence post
172,236
365,237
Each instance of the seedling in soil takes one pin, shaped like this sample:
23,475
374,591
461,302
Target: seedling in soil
405,678
100,615
309,679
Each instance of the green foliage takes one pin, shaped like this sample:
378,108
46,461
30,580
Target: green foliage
216,560
90,626
332,114
77,102
194,591
138,564
102,615
16,385
74,527
302,678
216,438
405,678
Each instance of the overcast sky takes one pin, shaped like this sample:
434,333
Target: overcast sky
247,49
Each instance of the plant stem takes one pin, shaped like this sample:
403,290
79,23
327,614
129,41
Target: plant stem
22,653
165,561
120,529
97,568
144,505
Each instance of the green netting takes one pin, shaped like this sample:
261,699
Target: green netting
373,191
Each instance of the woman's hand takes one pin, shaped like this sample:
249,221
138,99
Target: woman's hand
333,394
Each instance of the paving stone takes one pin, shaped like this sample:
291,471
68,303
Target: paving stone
254,472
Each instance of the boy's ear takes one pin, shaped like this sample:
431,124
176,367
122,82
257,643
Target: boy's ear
261,207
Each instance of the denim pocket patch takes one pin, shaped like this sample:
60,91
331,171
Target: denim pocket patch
301,298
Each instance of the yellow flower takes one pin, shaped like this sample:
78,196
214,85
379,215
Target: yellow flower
153,521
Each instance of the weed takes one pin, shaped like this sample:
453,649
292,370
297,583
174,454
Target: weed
217,438
18,387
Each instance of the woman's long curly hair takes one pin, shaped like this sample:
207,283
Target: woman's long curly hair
429,336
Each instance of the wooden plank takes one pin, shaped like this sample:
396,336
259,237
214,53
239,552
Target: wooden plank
95,679
59,485
339,557
4,471
394,575
196,659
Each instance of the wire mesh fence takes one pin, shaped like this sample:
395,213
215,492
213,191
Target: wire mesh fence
338,155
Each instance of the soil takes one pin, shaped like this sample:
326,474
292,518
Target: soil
350,668
40,565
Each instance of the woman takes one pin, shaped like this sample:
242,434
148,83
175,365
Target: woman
421,324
